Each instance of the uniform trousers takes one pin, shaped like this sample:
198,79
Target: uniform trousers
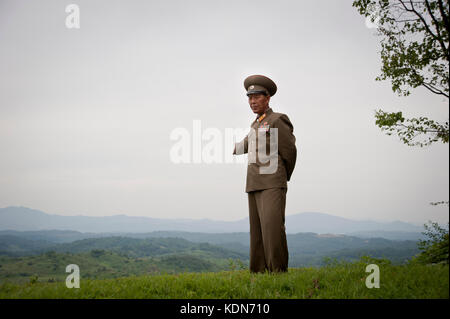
268,244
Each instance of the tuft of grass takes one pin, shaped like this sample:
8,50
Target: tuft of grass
333,281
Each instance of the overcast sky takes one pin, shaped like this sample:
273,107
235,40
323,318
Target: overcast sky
86,114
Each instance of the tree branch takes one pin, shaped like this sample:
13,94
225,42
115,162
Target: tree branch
415,129
420,17
428,85
444,16
433,89
438,30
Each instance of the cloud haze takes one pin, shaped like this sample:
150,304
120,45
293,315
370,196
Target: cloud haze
86,114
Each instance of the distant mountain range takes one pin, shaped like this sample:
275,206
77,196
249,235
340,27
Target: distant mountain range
26,219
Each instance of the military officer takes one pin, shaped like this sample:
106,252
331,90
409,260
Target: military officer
267,189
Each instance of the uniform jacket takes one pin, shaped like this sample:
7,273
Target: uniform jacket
287,152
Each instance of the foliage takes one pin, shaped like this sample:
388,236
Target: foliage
33,279
435,248
415,127
97,253
414,53
305,250
236,264
103,265
415,36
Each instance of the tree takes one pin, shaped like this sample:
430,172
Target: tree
435,248
414,53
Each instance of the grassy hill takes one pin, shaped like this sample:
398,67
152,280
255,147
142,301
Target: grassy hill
109,257
101,264
338,280
305,249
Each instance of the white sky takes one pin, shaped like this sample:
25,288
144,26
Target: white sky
85,115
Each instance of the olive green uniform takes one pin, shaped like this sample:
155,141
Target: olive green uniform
267,193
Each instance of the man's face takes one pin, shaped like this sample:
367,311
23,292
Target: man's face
258,103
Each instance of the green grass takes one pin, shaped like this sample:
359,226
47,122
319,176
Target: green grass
338,280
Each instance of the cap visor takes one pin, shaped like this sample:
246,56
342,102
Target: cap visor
256,92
